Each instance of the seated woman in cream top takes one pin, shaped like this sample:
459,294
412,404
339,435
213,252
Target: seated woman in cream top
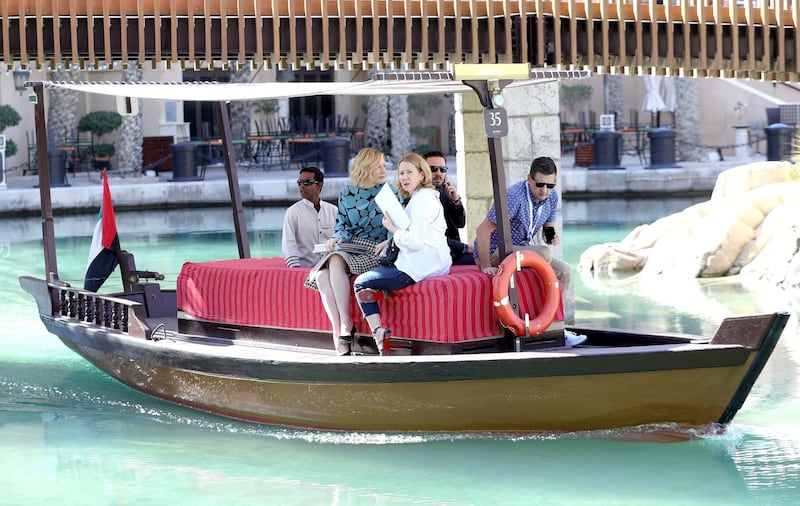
423,245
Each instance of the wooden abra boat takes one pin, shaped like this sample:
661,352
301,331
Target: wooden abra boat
243,339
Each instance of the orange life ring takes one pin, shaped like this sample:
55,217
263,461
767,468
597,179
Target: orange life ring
552,294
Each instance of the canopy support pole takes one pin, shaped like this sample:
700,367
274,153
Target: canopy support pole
239,221
43,167
504,243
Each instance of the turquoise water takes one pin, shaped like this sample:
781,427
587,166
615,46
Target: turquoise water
71,435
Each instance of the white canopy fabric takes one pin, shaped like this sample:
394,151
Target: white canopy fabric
652,100
214,91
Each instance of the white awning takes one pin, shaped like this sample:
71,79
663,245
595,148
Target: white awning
215,91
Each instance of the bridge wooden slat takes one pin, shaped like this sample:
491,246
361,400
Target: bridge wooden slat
441,31
292,56
242,34
223,42
173,32
209,55
389,35
56,31
190,21
73,33
573,36
106,32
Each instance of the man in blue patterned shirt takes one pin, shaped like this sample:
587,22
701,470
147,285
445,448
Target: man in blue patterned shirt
532,207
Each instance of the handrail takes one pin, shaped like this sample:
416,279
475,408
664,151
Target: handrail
108,312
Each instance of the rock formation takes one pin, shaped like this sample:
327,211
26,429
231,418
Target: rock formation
750,226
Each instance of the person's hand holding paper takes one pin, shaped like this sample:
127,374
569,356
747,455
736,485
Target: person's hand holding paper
387,201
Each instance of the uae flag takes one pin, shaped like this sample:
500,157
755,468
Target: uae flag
105,244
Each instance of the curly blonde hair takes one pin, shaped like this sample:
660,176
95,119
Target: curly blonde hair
363,164
422,166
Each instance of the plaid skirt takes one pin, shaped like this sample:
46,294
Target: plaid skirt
358,254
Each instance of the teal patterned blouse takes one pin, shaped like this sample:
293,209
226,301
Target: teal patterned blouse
359,215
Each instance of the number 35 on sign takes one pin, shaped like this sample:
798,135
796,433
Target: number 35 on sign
495,122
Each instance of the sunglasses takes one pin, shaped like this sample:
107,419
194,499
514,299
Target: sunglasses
439,168
306,182
540,184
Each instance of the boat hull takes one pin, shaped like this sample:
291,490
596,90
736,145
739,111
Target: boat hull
621,378
573,390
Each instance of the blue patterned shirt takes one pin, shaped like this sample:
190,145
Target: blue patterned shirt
359,215
519,214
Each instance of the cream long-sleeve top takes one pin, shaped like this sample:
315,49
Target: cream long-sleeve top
303,227
423,245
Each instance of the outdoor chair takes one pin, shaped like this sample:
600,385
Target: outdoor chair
31,167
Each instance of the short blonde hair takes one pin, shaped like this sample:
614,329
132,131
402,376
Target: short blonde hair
363,164
422,166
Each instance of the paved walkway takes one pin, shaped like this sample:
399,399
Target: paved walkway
278,187
637,179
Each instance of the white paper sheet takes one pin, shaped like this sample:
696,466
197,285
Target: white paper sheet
387,201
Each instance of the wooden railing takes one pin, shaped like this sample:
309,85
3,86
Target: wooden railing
728,38
102,310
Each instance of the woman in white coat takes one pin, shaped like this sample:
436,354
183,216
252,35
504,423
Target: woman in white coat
422,244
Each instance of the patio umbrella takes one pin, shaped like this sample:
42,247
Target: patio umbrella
652,99
670,96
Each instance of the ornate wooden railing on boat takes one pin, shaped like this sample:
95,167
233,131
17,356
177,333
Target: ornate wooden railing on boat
103,310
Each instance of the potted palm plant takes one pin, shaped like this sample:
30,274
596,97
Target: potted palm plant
100,123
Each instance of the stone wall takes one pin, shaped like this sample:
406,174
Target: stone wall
534,131
129,154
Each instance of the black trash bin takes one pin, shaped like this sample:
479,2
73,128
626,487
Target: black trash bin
779,142
336,155
57,161
184,164
662,149
607,150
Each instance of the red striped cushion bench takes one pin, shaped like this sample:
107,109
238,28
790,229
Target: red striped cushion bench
263,292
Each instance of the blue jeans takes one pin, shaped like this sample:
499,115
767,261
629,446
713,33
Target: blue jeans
382,277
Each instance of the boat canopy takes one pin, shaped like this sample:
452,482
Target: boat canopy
487,80
383,83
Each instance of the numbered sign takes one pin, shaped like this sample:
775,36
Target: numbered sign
495,122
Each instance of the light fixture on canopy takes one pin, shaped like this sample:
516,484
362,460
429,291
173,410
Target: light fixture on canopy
21,77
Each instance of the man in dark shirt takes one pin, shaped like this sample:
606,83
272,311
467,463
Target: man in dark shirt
454,214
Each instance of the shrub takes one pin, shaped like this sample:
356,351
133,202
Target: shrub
9,117
100,122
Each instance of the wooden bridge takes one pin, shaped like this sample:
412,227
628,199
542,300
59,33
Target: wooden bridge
754,39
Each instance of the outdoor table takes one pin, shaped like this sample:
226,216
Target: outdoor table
77,153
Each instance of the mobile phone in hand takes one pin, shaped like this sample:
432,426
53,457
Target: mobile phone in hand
549,234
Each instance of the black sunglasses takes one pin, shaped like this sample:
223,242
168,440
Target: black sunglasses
540,184
439,168
306,182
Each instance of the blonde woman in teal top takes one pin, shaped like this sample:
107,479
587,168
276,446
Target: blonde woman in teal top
358,237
